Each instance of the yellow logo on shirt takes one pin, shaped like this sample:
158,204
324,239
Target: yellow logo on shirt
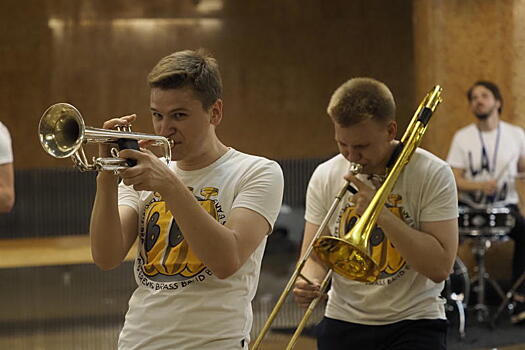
383,251
164,250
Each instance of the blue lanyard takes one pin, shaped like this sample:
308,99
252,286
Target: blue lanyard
484,155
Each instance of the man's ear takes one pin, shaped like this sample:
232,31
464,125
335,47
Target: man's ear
216,112
392,129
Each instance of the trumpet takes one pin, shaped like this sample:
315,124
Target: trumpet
63,133
351,255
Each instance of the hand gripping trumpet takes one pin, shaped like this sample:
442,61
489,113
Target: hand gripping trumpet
63,133
350,255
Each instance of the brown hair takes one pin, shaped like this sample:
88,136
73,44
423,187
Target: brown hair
491,87
195,69
360,99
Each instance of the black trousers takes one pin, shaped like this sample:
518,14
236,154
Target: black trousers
405,335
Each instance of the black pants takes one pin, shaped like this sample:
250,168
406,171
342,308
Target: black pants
405,335
518,235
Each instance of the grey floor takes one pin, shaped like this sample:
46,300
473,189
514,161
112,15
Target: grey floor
81,307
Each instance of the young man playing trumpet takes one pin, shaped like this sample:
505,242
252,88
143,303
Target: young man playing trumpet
201,223
417,233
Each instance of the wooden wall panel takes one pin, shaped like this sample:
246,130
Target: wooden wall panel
280,63
458,42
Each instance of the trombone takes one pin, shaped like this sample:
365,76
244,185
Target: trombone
351,255
62,134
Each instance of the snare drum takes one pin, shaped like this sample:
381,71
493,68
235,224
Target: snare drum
488,222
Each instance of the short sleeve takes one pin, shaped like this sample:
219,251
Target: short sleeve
261,190
456,155
316,209
128,196
6,151
440,196
521,141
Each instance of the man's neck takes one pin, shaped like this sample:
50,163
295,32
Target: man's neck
490,123
209,154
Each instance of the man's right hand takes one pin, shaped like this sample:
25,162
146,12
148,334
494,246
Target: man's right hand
489,187
305,292
112,125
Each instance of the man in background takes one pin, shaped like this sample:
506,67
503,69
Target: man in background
7,178
486,157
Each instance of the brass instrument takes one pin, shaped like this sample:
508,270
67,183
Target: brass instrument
62,134
350,255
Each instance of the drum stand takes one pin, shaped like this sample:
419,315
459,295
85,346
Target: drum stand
458,301
507,301
482,276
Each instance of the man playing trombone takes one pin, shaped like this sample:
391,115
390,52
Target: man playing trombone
201,222
414,245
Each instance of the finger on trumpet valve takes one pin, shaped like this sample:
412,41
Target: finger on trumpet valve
114,152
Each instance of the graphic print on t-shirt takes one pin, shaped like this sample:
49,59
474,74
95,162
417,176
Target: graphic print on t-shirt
165,255
480,172
383,251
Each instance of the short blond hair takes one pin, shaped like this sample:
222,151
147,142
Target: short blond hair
361,99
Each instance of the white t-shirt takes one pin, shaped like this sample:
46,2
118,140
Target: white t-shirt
503,148
425,192
179,303
6,152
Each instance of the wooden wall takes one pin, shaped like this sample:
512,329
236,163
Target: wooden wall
280,61
457,42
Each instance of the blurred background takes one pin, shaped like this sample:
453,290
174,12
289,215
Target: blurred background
280,62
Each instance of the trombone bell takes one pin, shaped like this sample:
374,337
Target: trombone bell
350,261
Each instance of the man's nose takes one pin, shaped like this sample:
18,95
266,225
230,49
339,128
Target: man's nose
166,128
353,155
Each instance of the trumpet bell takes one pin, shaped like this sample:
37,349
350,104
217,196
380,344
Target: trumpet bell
62,133
346,259
61,130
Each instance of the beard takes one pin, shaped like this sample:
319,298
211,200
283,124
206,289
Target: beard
482,116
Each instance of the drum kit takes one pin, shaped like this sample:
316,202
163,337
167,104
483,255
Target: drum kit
481,227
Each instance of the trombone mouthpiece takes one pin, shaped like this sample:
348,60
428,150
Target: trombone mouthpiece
355,168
